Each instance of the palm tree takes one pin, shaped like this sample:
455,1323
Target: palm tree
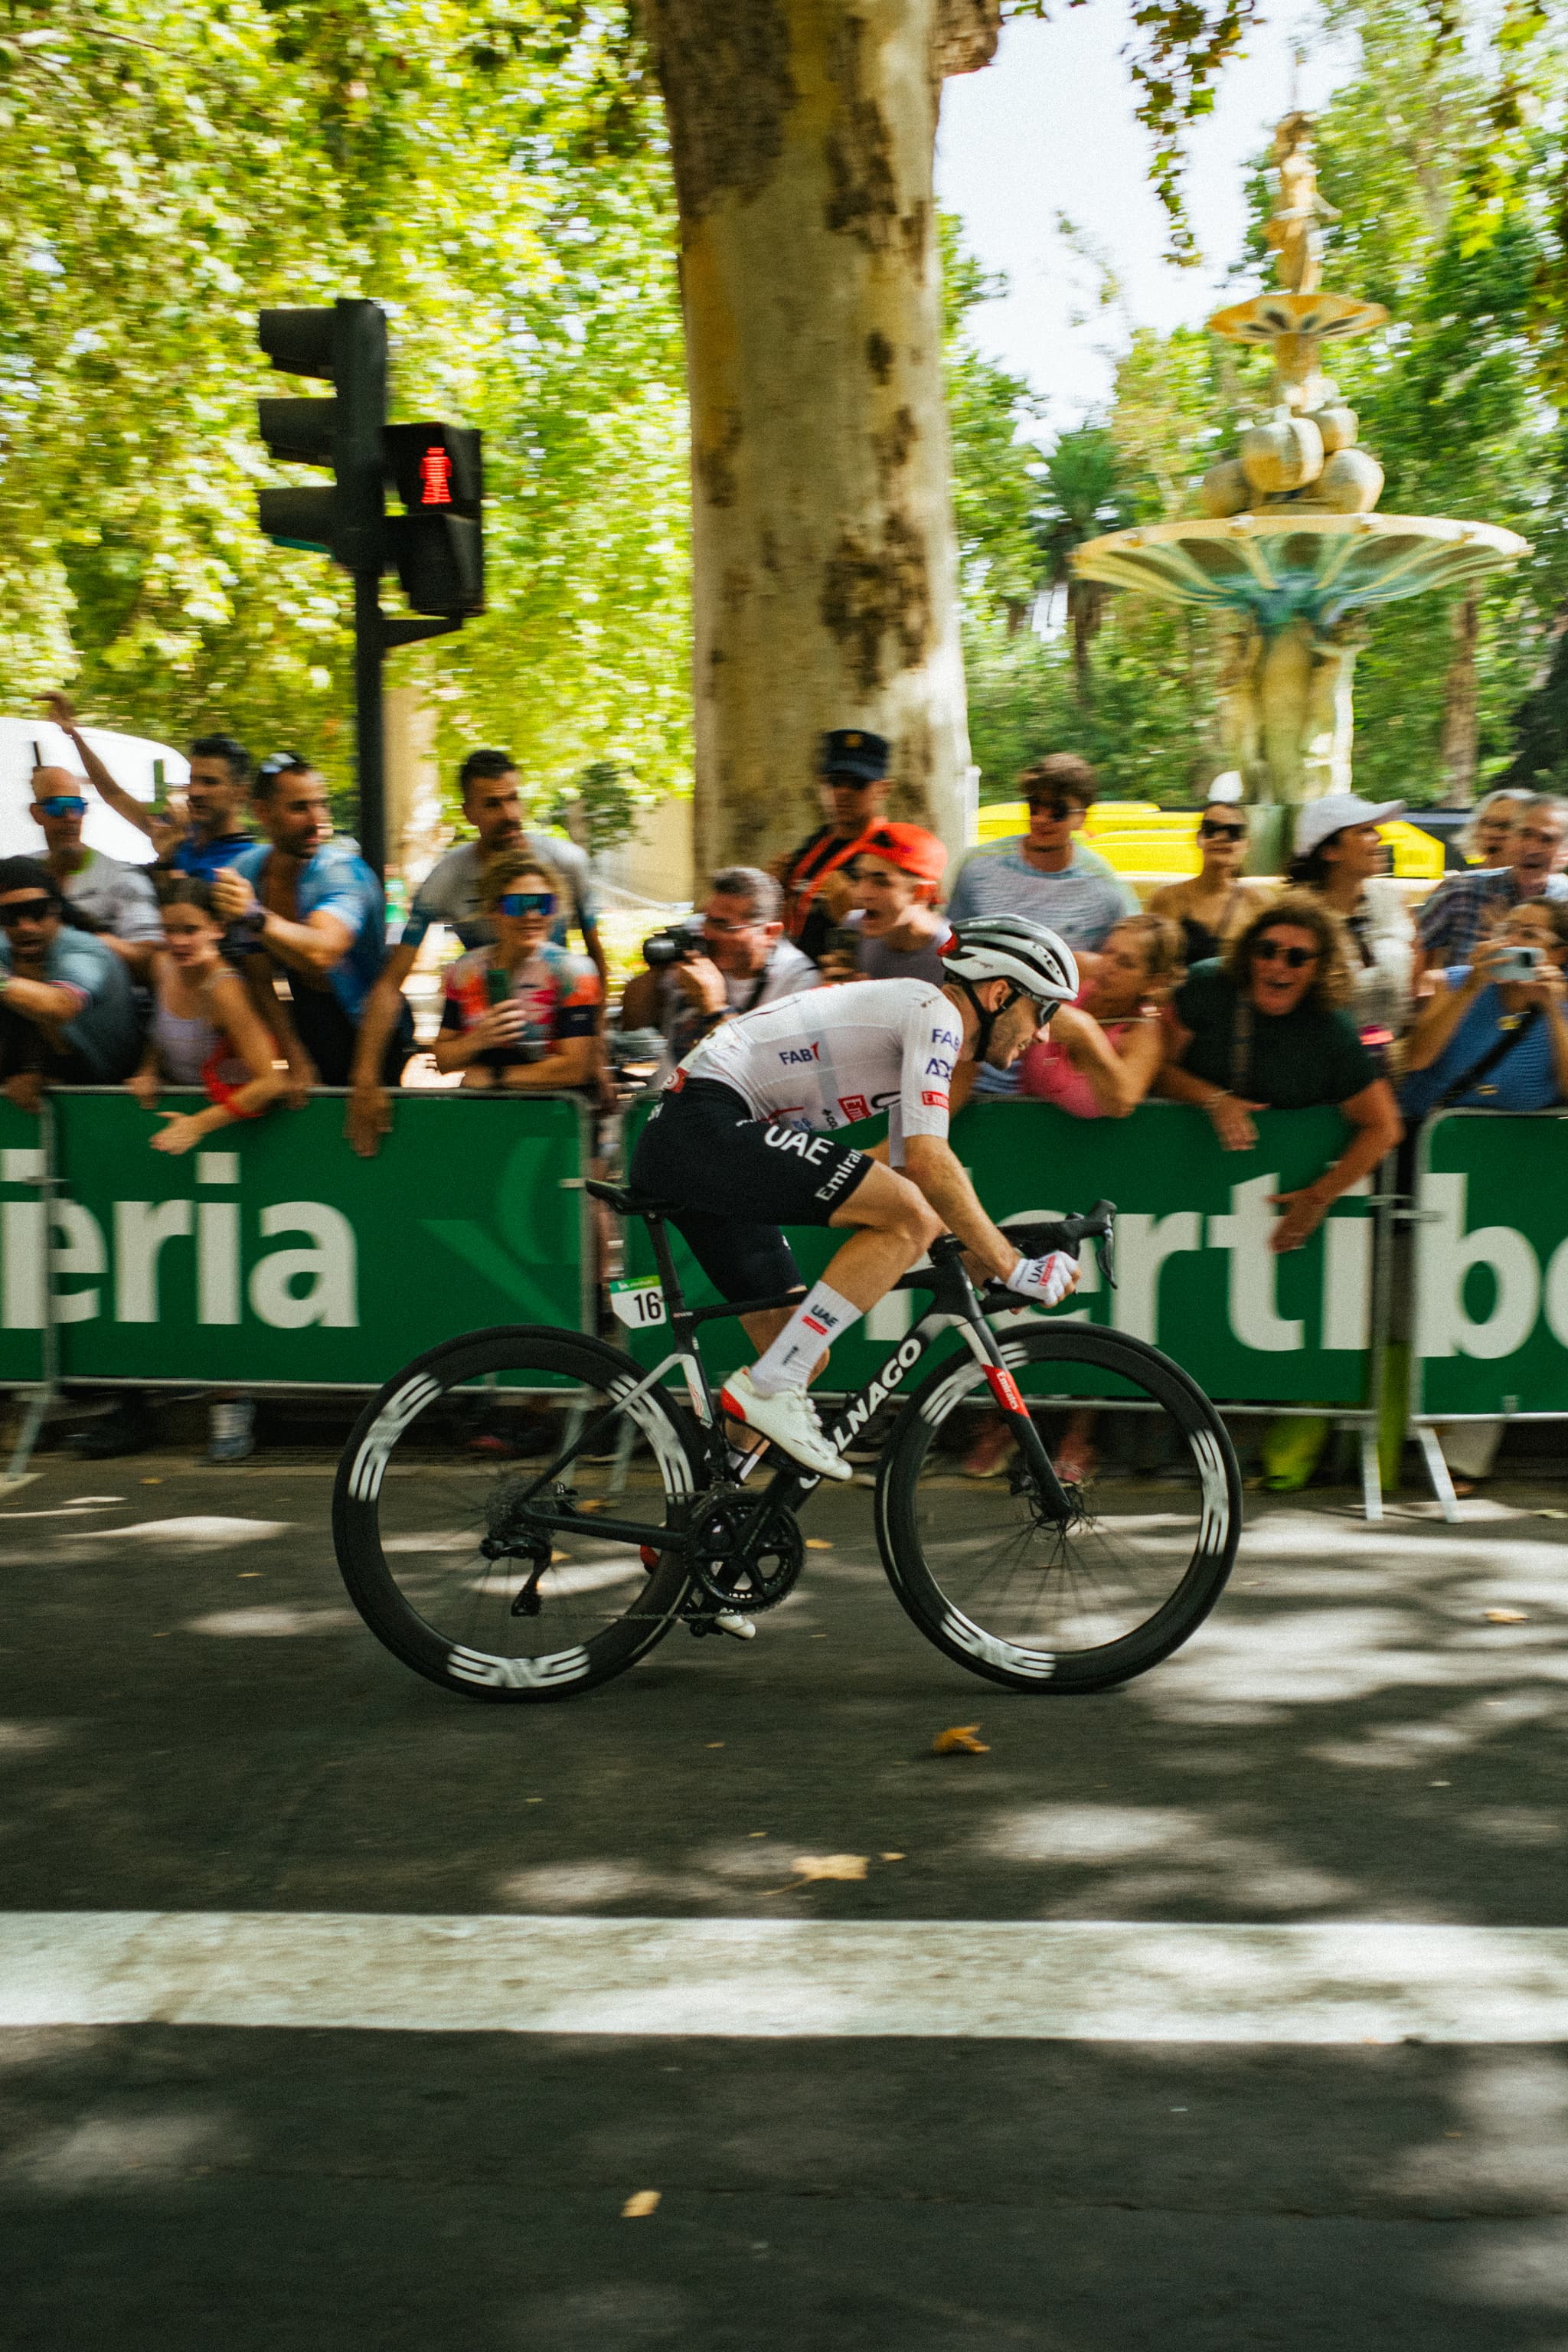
1084,493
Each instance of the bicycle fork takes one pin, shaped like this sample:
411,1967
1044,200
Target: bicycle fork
986,1350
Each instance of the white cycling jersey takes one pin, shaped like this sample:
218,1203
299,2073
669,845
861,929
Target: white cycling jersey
833,1055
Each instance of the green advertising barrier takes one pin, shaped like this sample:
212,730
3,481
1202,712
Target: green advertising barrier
1194,1270
1491,1266
275,1257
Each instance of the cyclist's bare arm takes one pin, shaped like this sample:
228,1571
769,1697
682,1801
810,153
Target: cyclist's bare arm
931,1164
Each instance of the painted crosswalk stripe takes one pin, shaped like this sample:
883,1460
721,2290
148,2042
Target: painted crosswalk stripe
1336,1982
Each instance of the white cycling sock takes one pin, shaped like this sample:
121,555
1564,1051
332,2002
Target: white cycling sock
821,1318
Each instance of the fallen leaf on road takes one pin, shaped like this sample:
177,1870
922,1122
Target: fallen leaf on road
817,1543
959,1741
890,1857
1507,1617
809,1867
638,2206
593,1503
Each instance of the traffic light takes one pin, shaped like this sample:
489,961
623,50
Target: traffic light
437,546
347,345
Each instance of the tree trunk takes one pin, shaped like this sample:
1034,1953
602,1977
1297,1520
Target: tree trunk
1460,723
825,592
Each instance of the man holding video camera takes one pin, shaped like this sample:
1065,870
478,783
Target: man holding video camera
728,959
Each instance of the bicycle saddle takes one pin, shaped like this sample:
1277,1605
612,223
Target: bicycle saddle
625,1201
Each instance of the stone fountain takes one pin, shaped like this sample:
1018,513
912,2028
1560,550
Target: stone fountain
1289,548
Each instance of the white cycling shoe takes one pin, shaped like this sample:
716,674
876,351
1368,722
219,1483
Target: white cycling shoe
787,1420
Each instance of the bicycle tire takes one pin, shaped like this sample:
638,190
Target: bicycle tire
379,1518
934,1546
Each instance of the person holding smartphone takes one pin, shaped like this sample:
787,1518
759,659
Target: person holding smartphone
1494,1034
524,1012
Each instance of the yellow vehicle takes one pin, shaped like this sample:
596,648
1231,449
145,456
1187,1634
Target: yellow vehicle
1153,843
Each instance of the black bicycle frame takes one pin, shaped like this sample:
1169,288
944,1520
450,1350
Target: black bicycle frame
954,1301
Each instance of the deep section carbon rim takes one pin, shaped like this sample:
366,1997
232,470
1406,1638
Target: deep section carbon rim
1031,1604
443,1528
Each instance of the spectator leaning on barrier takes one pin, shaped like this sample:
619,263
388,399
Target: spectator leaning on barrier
450,894
114,901
67,1012
1339,857
311,906
522,1013
1494,1035
1097,1060
206,1033
202,829
1099,1057
1265,1029
1463,910
739,960
852,764
1216,903
899,933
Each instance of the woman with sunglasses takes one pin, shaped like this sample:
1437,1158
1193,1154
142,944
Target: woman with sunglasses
522,1013
1216,903
1265,1029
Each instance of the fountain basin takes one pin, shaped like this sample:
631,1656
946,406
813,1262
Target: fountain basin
1291,562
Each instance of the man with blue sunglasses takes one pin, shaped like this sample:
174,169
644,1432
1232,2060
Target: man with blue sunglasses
198,834
116,899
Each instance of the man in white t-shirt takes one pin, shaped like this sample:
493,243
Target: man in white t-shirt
741,1143
117,899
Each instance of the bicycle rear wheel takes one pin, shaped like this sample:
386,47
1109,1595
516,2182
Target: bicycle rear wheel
434,1539
1032,1604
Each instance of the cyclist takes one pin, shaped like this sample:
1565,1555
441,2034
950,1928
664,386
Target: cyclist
740,1142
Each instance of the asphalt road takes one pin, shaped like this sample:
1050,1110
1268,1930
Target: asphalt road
193,1721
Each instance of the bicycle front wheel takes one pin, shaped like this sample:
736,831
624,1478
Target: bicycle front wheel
1020,1599
450,1491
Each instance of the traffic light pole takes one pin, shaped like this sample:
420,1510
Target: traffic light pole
376,636
370,720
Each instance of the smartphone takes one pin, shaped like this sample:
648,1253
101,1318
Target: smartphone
1519,963
497,985
843,939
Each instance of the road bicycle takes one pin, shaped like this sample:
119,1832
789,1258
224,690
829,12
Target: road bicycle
624,1511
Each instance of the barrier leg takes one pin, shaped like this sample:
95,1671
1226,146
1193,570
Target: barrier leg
1370,1474
1437,1471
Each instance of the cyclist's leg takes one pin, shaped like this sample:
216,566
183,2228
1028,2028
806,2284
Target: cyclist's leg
893,1226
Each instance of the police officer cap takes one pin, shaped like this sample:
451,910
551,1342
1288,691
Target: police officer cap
851,753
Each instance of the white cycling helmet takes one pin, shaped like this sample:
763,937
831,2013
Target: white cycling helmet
1006,947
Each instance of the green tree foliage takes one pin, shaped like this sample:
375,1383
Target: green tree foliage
505,192
1454,216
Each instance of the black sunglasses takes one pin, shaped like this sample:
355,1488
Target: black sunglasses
1058,809
26,910
1270,952
1209,831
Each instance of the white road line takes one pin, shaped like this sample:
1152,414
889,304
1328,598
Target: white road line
1340,1982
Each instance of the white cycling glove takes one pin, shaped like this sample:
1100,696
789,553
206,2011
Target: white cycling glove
1048,1280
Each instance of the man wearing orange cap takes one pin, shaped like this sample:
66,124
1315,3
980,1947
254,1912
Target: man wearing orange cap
897,869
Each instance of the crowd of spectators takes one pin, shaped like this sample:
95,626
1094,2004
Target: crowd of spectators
250,958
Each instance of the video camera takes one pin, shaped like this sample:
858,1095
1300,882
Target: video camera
674,943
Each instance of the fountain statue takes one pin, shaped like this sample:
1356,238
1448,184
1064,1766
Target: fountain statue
1289,548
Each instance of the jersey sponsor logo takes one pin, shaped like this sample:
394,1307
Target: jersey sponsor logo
800,1052
840,1176
937,1069
933,1099
814,1148
854,1106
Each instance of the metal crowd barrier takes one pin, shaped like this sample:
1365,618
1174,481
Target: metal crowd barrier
274,1258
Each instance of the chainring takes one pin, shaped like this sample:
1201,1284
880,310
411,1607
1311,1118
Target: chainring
745,1552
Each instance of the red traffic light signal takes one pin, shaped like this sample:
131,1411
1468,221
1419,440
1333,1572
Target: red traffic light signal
437,465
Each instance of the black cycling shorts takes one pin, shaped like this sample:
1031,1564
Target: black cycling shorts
734,1180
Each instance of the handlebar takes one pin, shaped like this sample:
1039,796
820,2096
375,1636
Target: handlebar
1069,1233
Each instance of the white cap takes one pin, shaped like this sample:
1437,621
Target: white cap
1228,787
1334,812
